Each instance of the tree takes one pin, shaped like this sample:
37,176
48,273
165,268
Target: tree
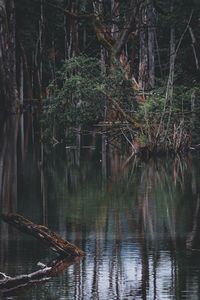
147,25
8,91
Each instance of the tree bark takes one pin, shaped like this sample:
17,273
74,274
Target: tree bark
115,18
73,40
170,84
8,91
151,44
129,26
143,52
43,234
28,92
194,45
147,47
21,89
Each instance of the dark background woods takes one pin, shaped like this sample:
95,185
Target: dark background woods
150,39
147,53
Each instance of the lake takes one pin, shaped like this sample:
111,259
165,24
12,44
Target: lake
138,222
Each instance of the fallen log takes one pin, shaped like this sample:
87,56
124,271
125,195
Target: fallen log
43,234
12,286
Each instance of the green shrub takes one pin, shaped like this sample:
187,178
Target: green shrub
80,96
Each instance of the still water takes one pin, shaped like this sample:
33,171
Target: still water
138,222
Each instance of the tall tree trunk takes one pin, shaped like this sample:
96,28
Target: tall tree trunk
21,85
143,52
73,39
170,84
194,46
8,94
151,43
115,18
28,92
147,47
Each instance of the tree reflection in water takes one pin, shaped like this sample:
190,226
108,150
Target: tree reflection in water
137,221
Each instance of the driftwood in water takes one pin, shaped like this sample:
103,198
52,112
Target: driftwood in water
12,286
43,234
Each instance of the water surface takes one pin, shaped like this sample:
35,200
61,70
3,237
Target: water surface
138,222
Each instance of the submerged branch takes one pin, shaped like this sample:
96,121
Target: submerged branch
12,286
43,234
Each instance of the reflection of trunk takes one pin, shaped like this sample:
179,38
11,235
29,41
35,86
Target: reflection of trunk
77,290
95,279
155,259
9,161
115,264
2,158
8,175
192,235
104,156
144,257
117,248
145,269
43,188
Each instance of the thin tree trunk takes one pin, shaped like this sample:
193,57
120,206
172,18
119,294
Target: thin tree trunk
143,63
115,18
21,81
73,36
170,84
28,82
8,94
151,44
42,28
194,43
65,37
12,36
147,48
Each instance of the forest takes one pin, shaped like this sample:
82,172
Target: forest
99,149
132,67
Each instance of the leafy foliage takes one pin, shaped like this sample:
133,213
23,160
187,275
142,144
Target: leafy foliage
79,95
